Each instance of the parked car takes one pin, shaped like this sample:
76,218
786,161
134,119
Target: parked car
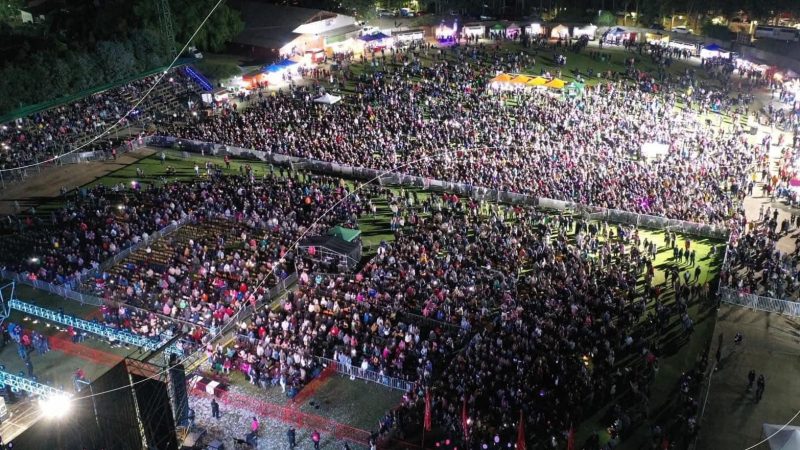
406,12
385,13
680,29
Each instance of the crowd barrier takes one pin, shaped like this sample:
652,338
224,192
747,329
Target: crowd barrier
10,176
467,190
367,375
759,303
62,291
167,230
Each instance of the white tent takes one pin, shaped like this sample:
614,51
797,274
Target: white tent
559,31
654,149
786,439
328,99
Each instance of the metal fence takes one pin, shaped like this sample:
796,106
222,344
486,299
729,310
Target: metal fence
759,303
368,375
167,230
465,190
62,291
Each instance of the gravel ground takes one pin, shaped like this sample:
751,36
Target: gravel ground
235,423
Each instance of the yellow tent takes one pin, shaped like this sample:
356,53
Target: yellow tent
521,79
538,81
502,78
555,83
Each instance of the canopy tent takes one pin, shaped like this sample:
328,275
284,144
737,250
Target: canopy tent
331,251
652,150
327,99
373,37
521,79
502,78
538,81
559,32
443,32
279,66
513,30
782,438
556,83
534,29
471,30
714,51
498,27
575,89
346,234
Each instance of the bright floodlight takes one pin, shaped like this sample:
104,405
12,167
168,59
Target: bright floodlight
56,406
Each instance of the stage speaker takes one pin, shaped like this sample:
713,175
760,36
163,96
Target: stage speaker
180,399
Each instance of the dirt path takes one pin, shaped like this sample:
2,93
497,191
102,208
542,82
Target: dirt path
47,184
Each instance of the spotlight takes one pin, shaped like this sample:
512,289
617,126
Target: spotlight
55,406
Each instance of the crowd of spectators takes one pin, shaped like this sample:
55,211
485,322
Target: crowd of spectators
40,136
441,122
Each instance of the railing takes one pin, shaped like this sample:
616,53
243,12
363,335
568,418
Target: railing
167,230
62,291
477,192
368,375
759,303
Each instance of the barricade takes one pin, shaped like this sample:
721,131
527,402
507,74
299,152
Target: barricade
367,375
759,303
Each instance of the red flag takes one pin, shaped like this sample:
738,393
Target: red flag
571,438
521,433
427,423
464,418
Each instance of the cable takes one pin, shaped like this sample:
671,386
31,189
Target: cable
776,432
133,108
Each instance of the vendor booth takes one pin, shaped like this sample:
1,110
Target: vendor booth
376,41
559,32
657,38
497,30
513,31
714,51
217,95
590,31
534,30
473,30
409,35
618,35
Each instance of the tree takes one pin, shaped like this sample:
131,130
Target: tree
9,10
716,31
188,15
218,70
606,19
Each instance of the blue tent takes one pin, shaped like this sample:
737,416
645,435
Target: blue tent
278,66
373,37
713,48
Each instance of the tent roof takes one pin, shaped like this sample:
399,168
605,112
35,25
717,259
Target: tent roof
278,66
502,78
347,234
267,25
786,439
332,243
713,48
538,81
560,27
555,83
521,79
373,37
498,26
328,99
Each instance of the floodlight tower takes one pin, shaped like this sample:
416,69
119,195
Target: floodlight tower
165,23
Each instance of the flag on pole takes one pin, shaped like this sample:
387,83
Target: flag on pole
427,423
571,438
521,433
464,424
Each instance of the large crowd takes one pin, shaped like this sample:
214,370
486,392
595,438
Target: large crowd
52,132
491,309
443,122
